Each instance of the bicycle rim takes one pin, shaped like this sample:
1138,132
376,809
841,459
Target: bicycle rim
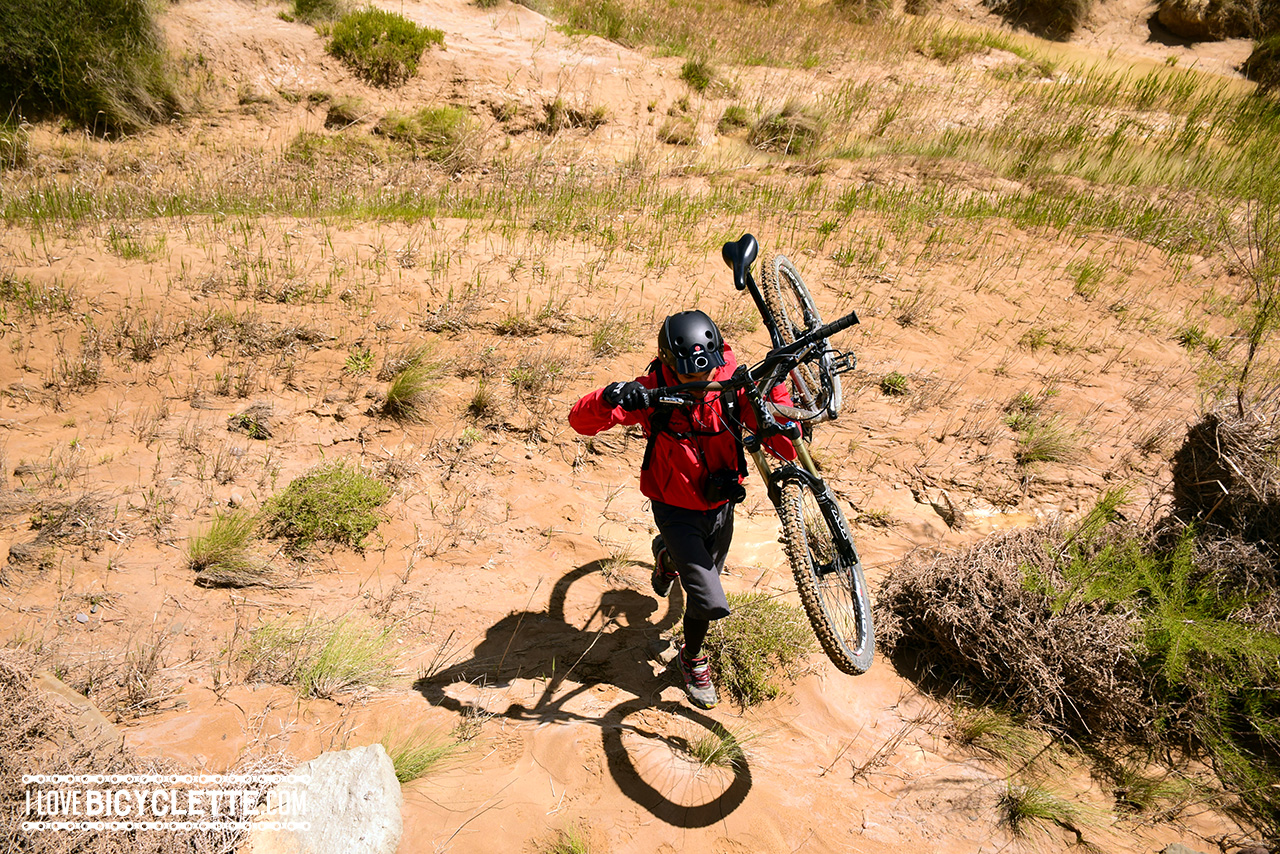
814,386
833,592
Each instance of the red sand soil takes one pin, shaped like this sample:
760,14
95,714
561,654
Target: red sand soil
489,552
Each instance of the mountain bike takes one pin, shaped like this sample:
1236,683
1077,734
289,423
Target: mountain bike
819,547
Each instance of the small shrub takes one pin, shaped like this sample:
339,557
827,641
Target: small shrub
894,384
698,73
335,502
1053,19
561,116
678,130
99,63
735,118
1263,64
749,648
415,755
344,111
381,47
795,129
444,135
314,11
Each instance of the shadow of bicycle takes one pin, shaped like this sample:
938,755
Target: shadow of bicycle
651,746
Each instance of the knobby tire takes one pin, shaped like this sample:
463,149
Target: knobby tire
814,386
837,603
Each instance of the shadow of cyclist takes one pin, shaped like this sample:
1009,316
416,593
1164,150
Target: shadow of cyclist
613,646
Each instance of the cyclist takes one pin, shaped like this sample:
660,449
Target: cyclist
692,473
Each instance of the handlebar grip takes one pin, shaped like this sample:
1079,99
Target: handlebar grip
833,327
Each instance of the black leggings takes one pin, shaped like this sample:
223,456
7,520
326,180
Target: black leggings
697,543
695,632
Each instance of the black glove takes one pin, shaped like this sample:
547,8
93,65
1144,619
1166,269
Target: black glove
629,395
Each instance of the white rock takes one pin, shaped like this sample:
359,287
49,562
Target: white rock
350,798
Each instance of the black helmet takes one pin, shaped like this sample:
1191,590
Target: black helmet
690,343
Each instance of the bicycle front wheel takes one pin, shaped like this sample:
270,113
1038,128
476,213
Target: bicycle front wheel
832,587
814,386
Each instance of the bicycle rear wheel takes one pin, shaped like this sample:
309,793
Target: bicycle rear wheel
832,588
814,386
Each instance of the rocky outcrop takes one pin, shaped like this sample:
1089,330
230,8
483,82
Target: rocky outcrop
350,799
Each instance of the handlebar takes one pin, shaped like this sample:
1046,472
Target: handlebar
796,352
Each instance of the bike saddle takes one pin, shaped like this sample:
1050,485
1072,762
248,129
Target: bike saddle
740,256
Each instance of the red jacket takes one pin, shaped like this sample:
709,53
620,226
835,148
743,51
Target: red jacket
678,470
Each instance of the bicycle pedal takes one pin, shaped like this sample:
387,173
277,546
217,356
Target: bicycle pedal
843,363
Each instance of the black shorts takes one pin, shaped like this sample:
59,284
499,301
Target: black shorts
697,542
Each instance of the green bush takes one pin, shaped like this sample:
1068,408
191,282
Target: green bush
1054,19
748,648
100,63
698,73
335,502
1263,64
382,47
444,135
313,11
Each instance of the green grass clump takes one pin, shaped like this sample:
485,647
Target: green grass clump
678,130
718,747
320,660
416,754
444,135
1027,805
894,384
410,375
698,73
571,840
794,129
15,146
336,502
1047,440
381,47
762,638
314,11
344,111
735,118
100,63
223,549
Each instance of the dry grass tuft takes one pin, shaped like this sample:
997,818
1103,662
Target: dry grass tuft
1226,475
972,616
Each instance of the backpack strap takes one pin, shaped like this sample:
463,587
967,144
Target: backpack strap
660,421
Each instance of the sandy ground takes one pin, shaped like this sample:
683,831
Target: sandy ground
489,567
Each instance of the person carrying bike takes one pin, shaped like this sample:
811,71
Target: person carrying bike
691,472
